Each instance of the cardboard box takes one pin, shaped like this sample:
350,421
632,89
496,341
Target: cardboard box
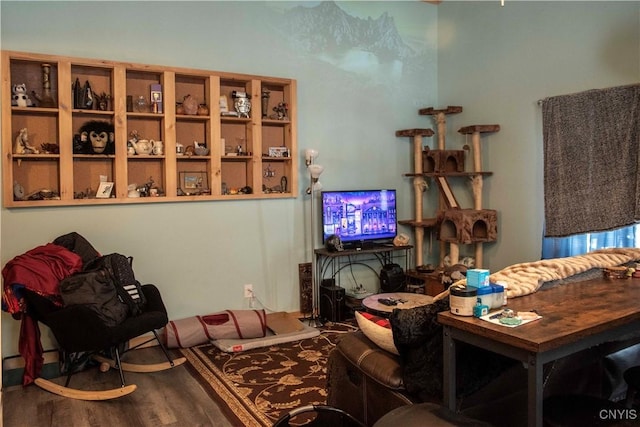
477,278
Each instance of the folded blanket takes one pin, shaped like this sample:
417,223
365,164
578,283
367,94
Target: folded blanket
526,278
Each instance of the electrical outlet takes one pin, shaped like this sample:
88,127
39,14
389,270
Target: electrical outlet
248,291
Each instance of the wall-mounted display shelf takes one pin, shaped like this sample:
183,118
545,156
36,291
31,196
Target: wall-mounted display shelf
83,131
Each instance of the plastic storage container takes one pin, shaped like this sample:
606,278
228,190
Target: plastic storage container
499,298
485,296
462,300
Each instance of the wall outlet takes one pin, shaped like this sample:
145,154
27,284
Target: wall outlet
248,291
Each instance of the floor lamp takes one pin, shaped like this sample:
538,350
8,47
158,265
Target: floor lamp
314,174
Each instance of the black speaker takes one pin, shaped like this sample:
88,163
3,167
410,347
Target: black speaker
332,303
392,278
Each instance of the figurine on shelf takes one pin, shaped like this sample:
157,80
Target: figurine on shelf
22,145
281,111
242,103
265,102
190,105
103,101
50,148
46,100
203,110
20,97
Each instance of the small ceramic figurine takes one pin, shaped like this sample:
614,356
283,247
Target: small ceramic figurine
22,145
20,97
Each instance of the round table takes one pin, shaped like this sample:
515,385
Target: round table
405,300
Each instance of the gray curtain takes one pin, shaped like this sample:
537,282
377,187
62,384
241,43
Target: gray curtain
591,160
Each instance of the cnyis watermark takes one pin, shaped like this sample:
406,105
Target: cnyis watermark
618,414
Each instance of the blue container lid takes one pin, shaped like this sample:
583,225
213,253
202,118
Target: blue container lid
497,288
485,290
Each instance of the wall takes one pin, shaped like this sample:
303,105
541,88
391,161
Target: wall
354,92
498,62
494,61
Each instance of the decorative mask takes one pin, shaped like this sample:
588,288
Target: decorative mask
96,137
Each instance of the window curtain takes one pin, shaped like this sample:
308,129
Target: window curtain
591,156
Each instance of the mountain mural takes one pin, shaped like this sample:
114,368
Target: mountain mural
326,28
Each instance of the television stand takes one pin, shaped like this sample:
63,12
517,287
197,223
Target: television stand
330,264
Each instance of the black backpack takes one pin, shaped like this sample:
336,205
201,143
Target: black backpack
94,290
119,269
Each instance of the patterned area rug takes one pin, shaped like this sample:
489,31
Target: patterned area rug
255,387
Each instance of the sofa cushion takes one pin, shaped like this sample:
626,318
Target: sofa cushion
377,329
380,365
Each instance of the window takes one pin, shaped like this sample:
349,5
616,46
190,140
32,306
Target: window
557,247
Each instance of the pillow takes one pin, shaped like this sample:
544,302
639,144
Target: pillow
378,330
242,324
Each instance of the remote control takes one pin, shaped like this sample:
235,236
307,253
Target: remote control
387,301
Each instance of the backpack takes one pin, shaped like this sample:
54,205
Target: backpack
95,290
119,269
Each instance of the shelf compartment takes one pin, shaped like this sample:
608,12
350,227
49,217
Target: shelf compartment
194,177
87,170
237,134
273,170
278,93
197,87
37,172
142,169
30,73
139,84
101,82
228,86
236,175
189,131
148,127
42,127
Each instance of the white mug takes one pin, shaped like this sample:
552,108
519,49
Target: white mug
157,148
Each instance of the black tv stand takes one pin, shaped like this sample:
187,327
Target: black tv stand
329,264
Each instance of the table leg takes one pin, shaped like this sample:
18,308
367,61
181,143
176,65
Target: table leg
449,369
535,390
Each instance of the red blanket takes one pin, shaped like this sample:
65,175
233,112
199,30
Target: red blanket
39,270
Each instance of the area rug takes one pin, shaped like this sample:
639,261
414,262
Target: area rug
257,386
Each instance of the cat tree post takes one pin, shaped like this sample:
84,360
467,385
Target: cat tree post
419,186
476,181
440,117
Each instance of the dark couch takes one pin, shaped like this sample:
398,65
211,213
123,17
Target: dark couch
367,381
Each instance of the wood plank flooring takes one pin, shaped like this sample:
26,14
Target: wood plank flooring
167,398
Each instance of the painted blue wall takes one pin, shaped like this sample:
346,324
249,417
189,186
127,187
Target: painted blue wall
353,94
498,62
494,61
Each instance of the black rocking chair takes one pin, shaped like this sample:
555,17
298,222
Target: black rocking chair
79,330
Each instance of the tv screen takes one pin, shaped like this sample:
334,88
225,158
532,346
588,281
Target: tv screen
359,216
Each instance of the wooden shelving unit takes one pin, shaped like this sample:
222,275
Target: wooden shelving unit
226,172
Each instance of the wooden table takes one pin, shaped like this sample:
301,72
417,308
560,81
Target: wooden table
575,316
411,299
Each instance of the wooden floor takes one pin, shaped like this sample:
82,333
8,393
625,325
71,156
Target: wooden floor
167,398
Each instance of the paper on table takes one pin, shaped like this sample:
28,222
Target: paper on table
496,320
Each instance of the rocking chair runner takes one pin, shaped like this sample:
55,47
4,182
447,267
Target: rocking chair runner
78,329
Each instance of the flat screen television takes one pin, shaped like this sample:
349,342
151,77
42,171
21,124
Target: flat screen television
359,217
